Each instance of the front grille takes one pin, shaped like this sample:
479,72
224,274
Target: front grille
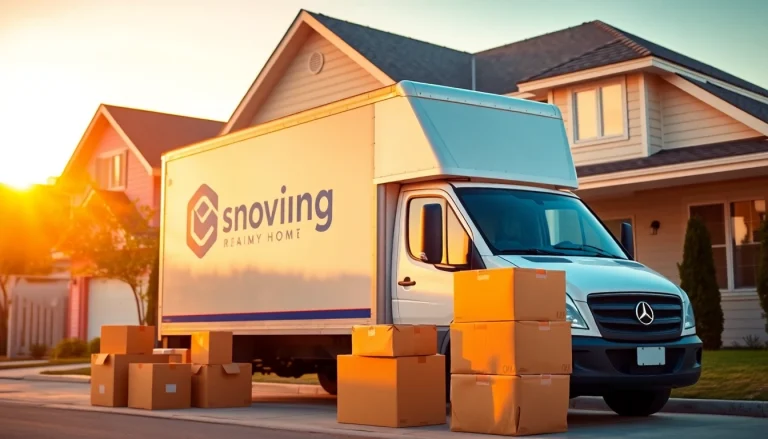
616,318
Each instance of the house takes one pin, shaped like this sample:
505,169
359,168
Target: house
656,135
117,164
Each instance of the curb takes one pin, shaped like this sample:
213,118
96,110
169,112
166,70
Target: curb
753,409
288,389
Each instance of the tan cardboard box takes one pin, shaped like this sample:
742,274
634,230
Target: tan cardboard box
391,392
212,347
126,339
511,348
177,355
109,377
394,340
509,405
508,294
221,385
160,386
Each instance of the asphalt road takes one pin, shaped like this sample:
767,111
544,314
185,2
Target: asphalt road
30,422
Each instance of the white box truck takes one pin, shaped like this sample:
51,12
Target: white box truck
359,212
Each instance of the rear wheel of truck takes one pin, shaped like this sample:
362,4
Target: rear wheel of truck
637,402
327,379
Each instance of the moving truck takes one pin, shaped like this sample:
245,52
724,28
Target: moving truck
360,212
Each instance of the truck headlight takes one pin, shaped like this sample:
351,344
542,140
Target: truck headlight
690,319
573,315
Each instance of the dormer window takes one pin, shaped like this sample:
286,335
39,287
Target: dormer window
111,170
600,112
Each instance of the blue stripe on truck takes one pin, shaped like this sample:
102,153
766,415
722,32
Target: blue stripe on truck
322,314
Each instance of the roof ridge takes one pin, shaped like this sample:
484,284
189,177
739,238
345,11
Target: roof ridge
144,110
613,41
535,37
632,44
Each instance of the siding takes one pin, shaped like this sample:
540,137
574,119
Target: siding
663,251
299,90
688,121
606,151
138,180
655,115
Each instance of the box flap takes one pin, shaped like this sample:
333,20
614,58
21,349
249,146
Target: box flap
101,359
231,369
196,368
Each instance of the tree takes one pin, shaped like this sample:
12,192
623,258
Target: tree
699,279
762,271
152,294
113,239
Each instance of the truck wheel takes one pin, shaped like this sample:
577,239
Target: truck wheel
638,402
328,382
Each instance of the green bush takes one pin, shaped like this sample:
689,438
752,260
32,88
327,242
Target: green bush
762,271
38,351
699,279
94,346
71,348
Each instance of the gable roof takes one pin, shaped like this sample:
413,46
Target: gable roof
751,106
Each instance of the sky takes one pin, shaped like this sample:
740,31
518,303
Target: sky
59,59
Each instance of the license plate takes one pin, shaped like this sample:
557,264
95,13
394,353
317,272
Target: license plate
650,356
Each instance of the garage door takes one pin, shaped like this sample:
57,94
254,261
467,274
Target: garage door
110,302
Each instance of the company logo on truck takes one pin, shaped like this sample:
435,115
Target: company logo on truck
245,224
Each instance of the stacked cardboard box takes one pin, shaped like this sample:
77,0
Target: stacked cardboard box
175,355
394,377
121,346
510,352
216,381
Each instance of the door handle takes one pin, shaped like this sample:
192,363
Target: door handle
407,282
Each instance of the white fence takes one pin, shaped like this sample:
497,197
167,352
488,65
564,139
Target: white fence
38,313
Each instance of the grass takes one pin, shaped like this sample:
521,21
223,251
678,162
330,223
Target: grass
81,371
4,358
54,362
730,374
257,378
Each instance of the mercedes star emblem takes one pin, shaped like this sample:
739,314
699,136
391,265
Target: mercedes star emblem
644,313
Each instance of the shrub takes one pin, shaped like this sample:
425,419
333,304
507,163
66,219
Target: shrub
94,346
752,342
38,351
70,348
699,280
762,271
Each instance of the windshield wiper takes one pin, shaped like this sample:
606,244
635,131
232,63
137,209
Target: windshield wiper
528,251
587,247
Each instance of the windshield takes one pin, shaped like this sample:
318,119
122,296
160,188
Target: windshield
527,222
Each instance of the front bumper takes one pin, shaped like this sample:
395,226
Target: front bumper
601,366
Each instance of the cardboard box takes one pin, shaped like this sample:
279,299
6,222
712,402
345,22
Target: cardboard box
508,294
511,348
212,347
391,392
176,355
509,405
221,385
394,340
160,386
125,339
109,377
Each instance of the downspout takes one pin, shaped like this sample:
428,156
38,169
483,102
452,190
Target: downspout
474,84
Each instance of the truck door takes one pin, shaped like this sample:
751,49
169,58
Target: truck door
423,292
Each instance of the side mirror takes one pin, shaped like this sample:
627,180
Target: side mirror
432,233
627,239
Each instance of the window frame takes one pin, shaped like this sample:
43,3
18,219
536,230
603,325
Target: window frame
109,158
597,87
456,267
725,203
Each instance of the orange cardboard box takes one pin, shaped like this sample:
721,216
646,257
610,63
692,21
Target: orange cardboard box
394,340
212,347
109,377
126,339
511,348
160,386
176,355
508,294
221,385
391,392
509,405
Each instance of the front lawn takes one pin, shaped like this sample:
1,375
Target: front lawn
59,362
730,374
81,371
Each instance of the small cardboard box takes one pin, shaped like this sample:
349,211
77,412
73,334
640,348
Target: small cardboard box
391,392
394,340
212,347
160,386
222,385
109,377
176,355
504,294
126,339
511,348
509,405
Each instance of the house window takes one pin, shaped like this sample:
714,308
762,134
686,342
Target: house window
735,243
110,171
599,112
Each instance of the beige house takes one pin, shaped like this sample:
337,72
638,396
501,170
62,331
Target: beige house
656,135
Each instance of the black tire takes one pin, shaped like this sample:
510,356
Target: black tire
638,403
328,381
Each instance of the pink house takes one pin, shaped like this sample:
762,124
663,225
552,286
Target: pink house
117,162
